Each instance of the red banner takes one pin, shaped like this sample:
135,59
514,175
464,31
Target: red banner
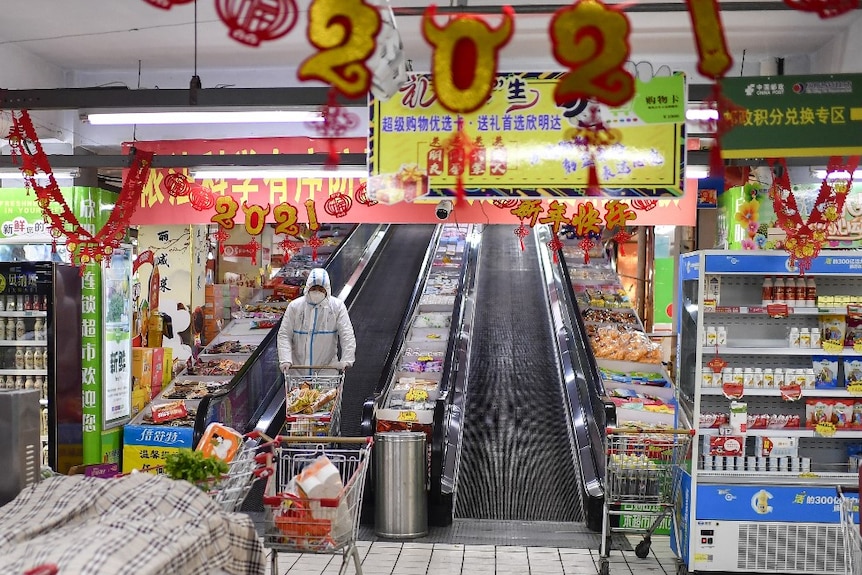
159,208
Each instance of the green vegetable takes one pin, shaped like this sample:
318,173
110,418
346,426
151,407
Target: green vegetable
195,467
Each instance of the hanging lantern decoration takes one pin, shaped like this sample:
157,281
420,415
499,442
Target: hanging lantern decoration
201,198
338,205
221,236
713,58
556,217
505,204
617,216
176,185
592,40
586,244
805,238
84,246
337,121
360,194
587,223
254,21
522,232
464,58
824,8
289,247
644,205
314,242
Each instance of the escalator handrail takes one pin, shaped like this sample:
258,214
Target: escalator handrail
391,361
268,340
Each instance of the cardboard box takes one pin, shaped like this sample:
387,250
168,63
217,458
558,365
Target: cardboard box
776,446
158,367
726,445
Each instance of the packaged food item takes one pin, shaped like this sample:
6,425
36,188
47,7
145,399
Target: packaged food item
817,411
857,414
842,413
220,441
852,371
776,446
738,417
712,420
832,328
854,328
726,445
825,371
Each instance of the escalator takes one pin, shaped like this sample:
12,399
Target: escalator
377,310
517,459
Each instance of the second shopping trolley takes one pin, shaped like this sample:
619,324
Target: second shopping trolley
313,406
643,467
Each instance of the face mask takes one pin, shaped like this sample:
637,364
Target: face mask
315,297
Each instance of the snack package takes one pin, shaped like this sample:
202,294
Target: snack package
842,413
832,328
852,371
817,411
726,445
854,327
220,441
857,415
825,371
776,446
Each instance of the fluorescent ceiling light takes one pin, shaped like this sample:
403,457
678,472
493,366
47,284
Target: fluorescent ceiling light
204,117
701,114
216,173
696,172
842,175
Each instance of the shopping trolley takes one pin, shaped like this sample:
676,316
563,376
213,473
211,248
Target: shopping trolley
642,467
296,522
313,406
247,466
850,531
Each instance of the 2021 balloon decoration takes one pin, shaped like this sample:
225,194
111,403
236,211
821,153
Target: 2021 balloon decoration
464,57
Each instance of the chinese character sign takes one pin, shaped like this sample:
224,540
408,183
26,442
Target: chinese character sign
116,368
525,144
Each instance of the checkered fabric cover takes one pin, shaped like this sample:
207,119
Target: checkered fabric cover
138,524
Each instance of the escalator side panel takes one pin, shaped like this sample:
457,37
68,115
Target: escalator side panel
517,461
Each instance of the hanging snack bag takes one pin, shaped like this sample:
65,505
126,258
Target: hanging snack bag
832,328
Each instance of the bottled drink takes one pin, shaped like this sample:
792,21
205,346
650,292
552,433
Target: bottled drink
778,294
758,377
28,359
19,382
29,383
748,377
768,291
799,296
37,359
815,337
10,329
721,335
10,303
810,292
28,303
710,335
20,329
779,377
793,340
19,358
38,326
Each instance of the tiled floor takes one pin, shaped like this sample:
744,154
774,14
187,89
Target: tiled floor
394,558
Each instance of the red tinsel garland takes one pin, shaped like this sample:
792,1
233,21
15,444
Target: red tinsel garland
57,213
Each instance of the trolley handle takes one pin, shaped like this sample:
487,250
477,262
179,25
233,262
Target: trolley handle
845,489
642,430
316,367
324,439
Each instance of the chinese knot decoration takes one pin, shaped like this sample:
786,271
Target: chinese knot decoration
254,21
460,147
465,53
617,216
56,212
587,226
591,136
805,238
337,121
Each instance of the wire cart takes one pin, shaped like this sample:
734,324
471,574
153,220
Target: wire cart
851,531
297,523
245,467
642,468
313,407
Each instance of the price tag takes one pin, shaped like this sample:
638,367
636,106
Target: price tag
432,336
855,388
417,395
832,346
427,357
407,416
717,364
825,429
791,392
733,390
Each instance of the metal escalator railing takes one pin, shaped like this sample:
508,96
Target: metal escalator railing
257,392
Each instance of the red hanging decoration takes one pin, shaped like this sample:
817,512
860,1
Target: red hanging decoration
590,137
824,8
460,147
337,121
176,185
714,60
722,115
314,243
805,238
644,205
289,247
338,205
361,195
57,213
201,198
555,245
254,21
522,232
221,236
167,4
505,204
617,216
586,244
253,247
593,187
464,57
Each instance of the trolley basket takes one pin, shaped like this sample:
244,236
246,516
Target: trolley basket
313,406
295,520
246,466
642,467
850,531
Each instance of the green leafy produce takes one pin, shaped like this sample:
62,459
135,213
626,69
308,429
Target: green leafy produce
195,467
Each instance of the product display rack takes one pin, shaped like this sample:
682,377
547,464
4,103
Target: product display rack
775,481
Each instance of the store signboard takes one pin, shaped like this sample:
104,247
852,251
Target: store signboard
21,218
793,116
160,209
778,262
772,503
524,144
117,338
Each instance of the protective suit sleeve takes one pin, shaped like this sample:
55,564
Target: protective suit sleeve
284,338
346,337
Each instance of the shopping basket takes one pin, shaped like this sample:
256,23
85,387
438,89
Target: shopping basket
244,469
642,467
313,405
297,521
850,531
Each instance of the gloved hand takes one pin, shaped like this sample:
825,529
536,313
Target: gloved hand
343,365
285,366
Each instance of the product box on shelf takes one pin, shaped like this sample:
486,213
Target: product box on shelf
776,446
825,371
142,377
158,371
145,447
726,445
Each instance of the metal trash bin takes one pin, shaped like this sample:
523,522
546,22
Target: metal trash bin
401,503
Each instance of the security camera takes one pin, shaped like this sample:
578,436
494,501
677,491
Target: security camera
444,208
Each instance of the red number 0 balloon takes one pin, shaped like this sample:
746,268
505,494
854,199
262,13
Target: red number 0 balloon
464,59
593,40
344,31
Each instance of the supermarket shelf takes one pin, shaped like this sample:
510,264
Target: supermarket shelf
23,372
725,350
790,432
821,392
777,478
23,314
761,310
23,343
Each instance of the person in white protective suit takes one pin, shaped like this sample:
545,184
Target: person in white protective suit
314,326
